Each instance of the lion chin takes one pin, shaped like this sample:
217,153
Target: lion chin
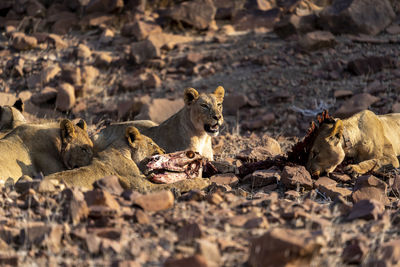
212,130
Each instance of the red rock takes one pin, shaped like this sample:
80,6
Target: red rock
159,109
104,6
317,40
330,188
193,261
210,252
357,16
47,94
389,253
89,74
262,178
370,65
65,97
368,209
355,104
8,259
342,93
35,9
370,187
56,41
99,197
197,13
49,73
143,51
107,36
292,177
140,29
71,74
253,19
78,208
23,42
393,29
292,195
83,52
16,65
110,184
226,9
257,222
189,232
259,122
233,102
215,198
8,234
141,217
65,22
157,201
293,25
355,250
93,243
225,179
103,60
284,247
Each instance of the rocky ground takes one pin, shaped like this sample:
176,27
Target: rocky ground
280,62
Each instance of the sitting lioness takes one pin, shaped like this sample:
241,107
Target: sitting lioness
190,128
31,149
372,141
121,158
11,117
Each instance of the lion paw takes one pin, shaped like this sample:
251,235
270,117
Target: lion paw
353,170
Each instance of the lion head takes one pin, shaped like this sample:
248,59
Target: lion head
327,151
141,146
76,148
11,116
205,110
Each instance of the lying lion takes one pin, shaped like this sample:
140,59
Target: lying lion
121,158
373,141
31,149
11,117
190,128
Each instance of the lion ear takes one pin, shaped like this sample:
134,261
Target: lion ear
132,134
337,130
219,93
82,124
67,130
190,95
19,105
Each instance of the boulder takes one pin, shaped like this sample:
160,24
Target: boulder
293,177
198,13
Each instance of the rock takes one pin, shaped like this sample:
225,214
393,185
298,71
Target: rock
197,13
71,74
93,243
262,178
355,104
9,234
56,41
140,29
100,197
214,198
65,22
317,40
89,74
65,97
193,261
367,209
141,217
253,19
330,188
78,209
210,252
357,16
355,250
342,93
388,254
370,65
16,66
270,144
49,73
259,122
23,42
8,259
83,52
227,9
157,201
25,183
233,102
370,187
257,222
103,60
48,186
47,94
110,184
393,29
292,195
143,51
189,231
225,179
104,6
159,109
284,247
293,25
292,177
107,36
38,232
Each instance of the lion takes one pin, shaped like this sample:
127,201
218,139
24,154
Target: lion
373,141
122,158
191,128
35,149
11,117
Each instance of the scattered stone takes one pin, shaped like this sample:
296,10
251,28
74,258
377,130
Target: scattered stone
197,13
46,95
157,201
23,42
356,104
99,197
83,52
232,103
56,41
370,65
104,6
71,74
292,195
143,51
65,97
293,25
317,40
342,93
102,60
281,247
210,252
297,176
193,261
259,122
370,187
140,29
158,109
355,250
367,209
214,198
330,188
357,16
78,209
225,179
262,178
190,231
49,73
388,254
110,184
253,19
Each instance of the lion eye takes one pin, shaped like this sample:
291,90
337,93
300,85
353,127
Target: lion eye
204,106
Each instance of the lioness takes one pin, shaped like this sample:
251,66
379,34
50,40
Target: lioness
372,141
31,149
121,158
11,117
190,128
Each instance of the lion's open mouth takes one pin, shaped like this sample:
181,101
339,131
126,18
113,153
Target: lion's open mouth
174,167
213,129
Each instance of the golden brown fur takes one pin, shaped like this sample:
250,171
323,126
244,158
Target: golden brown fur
190,128
11,117
31,149
372,141
121,158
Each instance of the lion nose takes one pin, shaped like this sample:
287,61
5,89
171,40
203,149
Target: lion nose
217,117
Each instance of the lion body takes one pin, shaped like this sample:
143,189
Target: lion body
31,149
122,158
10,117
373,141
